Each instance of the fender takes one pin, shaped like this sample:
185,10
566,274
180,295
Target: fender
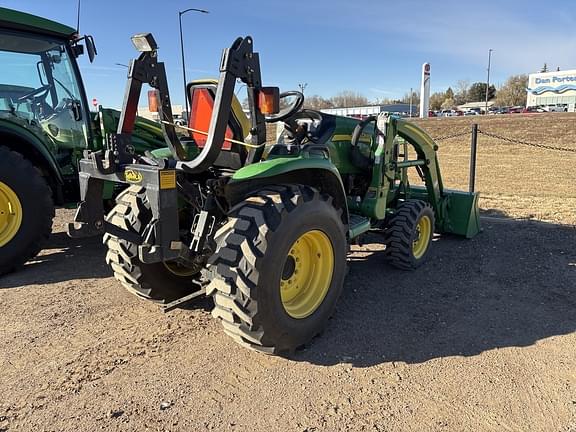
316,172
24,135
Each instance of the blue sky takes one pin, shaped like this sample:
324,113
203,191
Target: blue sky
373,47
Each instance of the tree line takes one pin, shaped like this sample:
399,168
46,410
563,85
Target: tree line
511,93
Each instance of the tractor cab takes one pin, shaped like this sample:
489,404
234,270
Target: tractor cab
40,87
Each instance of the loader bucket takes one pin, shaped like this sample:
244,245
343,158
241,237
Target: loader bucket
461,213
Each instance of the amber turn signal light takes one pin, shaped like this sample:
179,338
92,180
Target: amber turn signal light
152,101
269,100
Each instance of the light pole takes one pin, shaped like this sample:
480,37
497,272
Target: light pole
302,87
410,102
488,81
180,13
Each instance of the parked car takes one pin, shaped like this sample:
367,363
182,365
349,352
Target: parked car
503,110
554,108
515,110
477,110
530,109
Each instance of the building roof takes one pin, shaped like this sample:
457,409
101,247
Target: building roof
15,20
372,109
469,105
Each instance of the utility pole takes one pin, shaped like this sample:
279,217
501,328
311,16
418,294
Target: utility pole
180,13
410,102
488,81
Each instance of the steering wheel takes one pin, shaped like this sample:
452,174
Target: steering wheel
34,93
290,110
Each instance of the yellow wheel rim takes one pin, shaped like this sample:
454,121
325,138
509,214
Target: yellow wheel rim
179,269
10,214
422,238
307,274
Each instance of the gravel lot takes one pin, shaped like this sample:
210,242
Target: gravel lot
481,338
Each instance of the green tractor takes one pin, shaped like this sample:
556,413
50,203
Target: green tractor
45,125
264,229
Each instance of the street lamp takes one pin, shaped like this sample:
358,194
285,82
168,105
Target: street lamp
488,81
180,13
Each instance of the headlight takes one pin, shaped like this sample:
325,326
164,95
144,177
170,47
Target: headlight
144,42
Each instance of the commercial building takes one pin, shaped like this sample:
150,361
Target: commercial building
475,105
551,88
365,111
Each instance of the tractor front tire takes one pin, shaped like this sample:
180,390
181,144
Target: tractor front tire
160,282
279,268
408,234
26,210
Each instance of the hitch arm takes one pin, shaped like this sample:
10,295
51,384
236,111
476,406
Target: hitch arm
89,218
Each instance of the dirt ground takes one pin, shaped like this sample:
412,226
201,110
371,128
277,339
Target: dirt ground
481,338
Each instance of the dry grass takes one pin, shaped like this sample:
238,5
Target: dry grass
516,180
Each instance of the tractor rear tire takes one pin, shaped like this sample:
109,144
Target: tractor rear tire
279,268
408,234
160,282
26,210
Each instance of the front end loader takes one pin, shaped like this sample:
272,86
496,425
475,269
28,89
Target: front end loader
264,229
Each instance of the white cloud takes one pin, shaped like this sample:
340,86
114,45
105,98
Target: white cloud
522,37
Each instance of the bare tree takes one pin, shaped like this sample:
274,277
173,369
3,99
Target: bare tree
448,103
348,98
513,92
461,94
317,102
415,97
436,100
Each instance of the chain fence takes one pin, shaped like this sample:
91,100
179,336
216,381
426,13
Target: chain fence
506,139
451,136
526,143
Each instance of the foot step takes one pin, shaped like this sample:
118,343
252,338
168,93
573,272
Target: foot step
358,225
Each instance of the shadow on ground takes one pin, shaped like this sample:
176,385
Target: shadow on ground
62,259
511,286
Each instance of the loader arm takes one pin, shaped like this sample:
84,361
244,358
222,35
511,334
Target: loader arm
426,150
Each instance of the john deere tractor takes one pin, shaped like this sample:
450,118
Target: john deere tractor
264,229
45,125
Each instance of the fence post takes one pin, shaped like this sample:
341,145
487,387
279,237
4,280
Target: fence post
473,146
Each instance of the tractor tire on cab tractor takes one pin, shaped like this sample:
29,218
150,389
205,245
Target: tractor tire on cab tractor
408,234
26,210
279,268
161,282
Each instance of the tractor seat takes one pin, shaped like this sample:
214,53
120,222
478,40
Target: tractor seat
201,96
324,130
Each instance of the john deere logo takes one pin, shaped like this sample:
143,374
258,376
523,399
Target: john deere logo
132,176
